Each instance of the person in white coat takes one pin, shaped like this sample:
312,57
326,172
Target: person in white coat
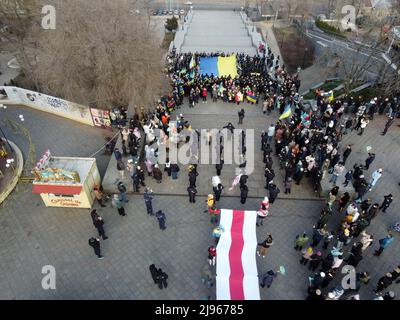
376,175
366,240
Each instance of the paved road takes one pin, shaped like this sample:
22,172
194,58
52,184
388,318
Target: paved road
353,53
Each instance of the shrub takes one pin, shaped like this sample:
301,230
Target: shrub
171,24
328,28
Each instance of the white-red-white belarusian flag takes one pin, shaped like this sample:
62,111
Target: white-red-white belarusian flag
237,276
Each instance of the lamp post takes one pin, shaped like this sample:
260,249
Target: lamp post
304,56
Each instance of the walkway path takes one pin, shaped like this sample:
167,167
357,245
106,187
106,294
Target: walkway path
212,31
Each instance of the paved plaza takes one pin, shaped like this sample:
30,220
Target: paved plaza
32,236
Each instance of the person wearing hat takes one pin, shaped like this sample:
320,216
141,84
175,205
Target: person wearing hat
265,245
267,278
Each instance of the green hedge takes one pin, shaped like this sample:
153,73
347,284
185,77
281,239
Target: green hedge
329,29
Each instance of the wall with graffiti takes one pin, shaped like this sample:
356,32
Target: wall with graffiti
43,102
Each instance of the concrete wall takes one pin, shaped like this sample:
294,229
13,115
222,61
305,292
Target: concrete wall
43,102
181,33
256,37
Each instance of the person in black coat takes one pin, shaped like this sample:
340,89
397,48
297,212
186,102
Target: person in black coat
161,219
316,259
348,176
354,260
95,244
273,192
346,154
244,190
153,272
192,194
269,175
327,263
98,224
217,191
140,173
243,180
219,166
192,178
161,279
386,202
384,282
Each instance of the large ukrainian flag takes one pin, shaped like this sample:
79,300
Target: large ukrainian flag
219,66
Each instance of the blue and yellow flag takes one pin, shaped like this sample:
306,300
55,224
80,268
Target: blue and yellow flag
287,112
192,63
331,96
252,98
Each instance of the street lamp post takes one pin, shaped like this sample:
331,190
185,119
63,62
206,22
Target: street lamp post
304,56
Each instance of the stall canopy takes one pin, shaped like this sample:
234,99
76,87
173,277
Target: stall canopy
56,189
237,275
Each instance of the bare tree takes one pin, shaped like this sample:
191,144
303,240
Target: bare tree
19,22
101,53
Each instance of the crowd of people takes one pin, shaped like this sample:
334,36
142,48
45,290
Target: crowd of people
307,143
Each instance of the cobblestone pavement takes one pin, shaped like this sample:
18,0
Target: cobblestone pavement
32,236
62,136
216,115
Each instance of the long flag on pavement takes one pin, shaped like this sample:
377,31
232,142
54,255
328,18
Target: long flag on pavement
237,275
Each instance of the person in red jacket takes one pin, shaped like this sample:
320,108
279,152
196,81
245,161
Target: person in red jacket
212,254
204,94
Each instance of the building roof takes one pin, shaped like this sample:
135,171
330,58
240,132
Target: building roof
81,165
